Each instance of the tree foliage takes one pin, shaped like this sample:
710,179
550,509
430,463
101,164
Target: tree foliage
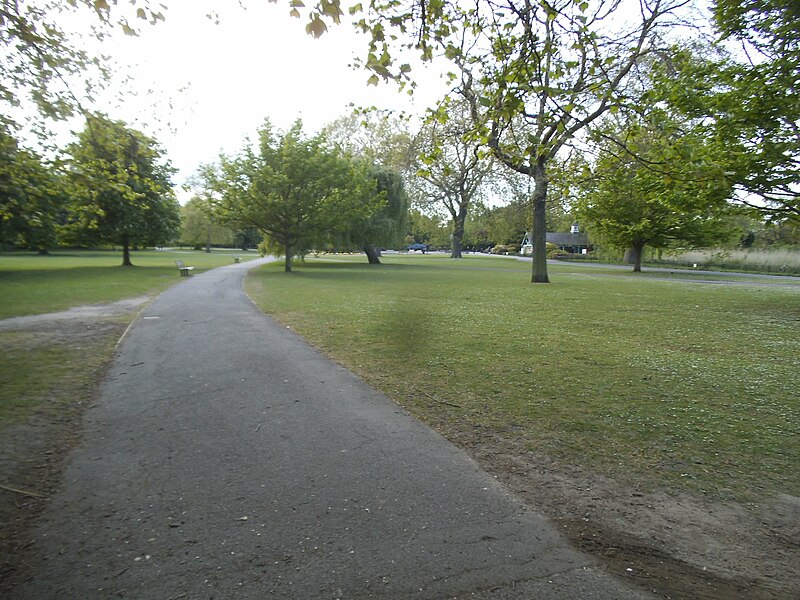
199,228
380,139
298,191
121,187
770,26
45,66
451,169
32,197
660,186
752,104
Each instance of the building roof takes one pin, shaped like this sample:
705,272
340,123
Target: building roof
567,239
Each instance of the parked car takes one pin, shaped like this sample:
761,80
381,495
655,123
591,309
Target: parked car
418,246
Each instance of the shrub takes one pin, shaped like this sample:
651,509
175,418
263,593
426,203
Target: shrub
557,253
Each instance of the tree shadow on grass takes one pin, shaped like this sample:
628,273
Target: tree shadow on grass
407,325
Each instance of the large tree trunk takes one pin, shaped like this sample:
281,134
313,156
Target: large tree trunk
287,259
628,256
539,241
373,255
458,228
636,254
458,233
126,253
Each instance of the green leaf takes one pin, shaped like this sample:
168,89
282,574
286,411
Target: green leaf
373,80
316,27
331,8
452,52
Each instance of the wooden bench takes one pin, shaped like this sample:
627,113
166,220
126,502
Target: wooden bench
237,258
183,268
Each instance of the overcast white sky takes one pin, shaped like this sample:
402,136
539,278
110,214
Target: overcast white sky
200,87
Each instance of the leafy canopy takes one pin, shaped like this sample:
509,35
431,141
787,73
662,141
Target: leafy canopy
298,191
661,185
121,187
32,197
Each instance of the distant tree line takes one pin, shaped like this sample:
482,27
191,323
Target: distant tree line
666,128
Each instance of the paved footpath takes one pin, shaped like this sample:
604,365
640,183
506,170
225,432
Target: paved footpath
227,459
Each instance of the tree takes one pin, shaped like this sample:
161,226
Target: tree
661,185
247,238
381,141
508,225
198,227
426,229
121,186
553,70
452,168
753,104
299,192
476,230
384,227
388,225
377,138
541,71
32,197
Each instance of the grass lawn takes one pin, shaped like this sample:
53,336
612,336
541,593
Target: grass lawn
33,284
661,383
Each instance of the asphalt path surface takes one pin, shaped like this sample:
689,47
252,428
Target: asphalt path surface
226,458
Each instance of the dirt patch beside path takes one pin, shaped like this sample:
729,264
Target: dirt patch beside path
75,348
88,315
674,545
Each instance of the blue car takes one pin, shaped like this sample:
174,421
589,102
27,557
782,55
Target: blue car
423,247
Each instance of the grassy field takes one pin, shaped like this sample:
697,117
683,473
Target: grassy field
653,381
33,284
649,378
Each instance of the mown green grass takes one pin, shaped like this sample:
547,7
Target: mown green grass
658,383
33,284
